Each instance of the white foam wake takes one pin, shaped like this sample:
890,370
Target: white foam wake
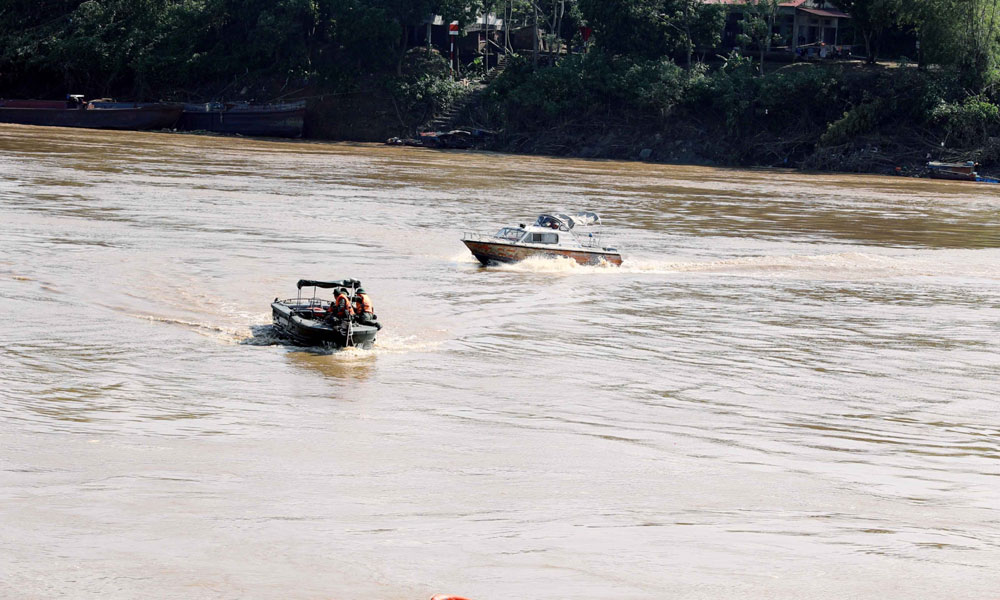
393,344
836,266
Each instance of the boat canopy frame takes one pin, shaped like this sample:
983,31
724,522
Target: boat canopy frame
353,284
328,284
565,222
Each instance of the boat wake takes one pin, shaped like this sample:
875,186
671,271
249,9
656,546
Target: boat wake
207,329
390,344
558,266
266,335
835,266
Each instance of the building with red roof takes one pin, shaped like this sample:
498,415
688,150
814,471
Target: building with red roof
799,22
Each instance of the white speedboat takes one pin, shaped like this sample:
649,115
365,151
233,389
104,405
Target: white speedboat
552,235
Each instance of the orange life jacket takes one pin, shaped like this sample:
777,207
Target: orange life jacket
343,304
362,304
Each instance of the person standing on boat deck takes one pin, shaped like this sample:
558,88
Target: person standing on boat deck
342,305
363,306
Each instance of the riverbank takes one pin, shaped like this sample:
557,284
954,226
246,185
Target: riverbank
622,94
817,117
693,144
833,117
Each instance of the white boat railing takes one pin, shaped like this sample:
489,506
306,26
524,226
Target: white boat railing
586,240
305,302
590,240
483,237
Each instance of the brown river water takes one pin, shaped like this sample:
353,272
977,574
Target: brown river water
791,388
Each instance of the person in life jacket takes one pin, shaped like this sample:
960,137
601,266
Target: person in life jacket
341,305
363,306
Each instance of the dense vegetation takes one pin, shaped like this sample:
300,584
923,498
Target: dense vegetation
648,79
162,48
224,49
628,93
838,116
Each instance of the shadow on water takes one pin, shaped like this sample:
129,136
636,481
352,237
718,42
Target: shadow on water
348,363
339,363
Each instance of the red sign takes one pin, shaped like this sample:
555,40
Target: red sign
453,28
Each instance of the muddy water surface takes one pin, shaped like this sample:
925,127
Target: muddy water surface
789,390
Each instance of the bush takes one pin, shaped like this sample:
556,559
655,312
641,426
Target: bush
591,85
728,94
886,101
802,96
424,87
968,123
859,120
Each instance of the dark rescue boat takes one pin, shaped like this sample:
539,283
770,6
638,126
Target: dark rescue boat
311,321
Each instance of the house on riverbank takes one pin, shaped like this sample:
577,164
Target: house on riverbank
799,23
488,36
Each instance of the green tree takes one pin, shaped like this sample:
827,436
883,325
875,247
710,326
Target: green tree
872,18
964,34
758,25
651,29
698,24
981,38
629,27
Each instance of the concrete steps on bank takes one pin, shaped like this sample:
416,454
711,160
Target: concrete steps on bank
447,118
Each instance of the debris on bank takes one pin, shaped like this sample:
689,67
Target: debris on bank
456,139
690,144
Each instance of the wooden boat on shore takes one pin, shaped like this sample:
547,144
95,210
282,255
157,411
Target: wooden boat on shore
264,120
554,235
955,171
77,113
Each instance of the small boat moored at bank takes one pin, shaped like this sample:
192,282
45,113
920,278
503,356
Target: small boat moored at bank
551,236
312,321
264,120
965,171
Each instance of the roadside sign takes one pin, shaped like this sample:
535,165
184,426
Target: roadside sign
453,28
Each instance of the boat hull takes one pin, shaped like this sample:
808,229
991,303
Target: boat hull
953,171
263,123
953,175
305,328
493,253
141,118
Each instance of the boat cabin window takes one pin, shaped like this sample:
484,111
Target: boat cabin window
544,238
510,233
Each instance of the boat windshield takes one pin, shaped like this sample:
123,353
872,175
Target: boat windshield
564,222
510,233
553,222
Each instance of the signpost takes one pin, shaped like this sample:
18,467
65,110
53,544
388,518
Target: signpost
452,33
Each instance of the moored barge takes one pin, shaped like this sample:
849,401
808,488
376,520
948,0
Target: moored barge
263,120
77,113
